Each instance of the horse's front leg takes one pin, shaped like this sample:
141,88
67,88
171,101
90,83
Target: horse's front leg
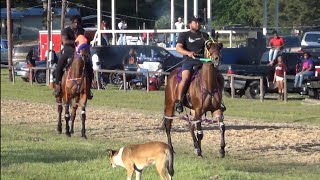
168,125
59,105
67,118
199,135
219,117
197,150
83,120
73,117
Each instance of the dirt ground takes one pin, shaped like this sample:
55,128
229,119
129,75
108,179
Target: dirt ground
245,139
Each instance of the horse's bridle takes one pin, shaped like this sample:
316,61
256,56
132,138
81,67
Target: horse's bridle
208,53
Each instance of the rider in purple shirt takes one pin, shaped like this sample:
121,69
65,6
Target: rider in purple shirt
307,69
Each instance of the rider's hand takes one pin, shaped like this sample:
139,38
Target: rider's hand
190,54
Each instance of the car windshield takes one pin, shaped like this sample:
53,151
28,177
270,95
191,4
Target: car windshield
312,37
292,41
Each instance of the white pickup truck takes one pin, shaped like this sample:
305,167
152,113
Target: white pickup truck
4,51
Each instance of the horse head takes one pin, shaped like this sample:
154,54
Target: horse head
213,51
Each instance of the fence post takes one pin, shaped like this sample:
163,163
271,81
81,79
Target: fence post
230,39
124,81
31,77
148,81
261,89
165,80
13,75
232,87
285,94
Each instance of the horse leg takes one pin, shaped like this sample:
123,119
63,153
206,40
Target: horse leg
195,140
199,135
219,118
83,120
73,117
67,118
168,125
59,128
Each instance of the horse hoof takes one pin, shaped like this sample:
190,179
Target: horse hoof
84,136
68,134
221,153
71,132
198,152
59,129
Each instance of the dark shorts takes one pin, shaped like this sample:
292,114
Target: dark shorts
188,65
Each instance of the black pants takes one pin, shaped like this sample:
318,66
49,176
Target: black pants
67,53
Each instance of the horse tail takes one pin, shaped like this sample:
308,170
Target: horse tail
170,162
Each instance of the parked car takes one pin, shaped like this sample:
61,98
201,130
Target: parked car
291,44
311,39
4,51
22,70
20,53
111,57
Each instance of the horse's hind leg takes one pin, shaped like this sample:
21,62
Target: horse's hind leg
67,118
167,122
83,120
219,116
59,128
73,117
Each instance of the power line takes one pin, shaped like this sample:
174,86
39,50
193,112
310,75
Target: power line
122,15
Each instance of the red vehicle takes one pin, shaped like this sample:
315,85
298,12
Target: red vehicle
56,34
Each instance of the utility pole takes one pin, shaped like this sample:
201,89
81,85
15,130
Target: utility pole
9,38
276,15
49,15
63,15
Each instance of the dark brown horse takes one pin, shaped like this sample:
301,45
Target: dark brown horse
204,94
74,87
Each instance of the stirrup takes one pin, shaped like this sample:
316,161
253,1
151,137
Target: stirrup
179,107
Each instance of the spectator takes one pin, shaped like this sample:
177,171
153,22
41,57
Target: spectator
96,66
279,74
130,58
276,43
104,35
54,56
122,26
179,25
307,70
31,58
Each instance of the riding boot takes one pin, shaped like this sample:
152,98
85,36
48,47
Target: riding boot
179,104
57,90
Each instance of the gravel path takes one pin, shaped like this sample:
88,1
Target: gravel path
245,139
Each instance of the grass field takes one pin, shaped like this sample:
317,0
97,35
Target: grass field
36,151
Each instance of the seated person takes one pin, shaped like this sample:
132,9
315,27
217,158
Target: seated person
307,70
130,58
276,44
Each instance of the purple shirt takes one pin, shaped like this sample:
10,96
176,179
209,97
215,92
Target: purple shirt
307,63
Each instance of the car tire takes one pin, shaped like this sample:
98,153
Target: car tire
115,78
40,77
253,90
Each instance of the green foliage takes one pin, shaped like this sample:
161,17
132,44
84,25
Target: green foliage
163,22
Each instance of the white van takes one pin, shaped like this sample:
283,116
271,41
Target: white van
311,39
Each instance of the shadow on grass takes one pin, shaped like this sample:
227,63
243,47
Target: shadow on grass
30,155
308,147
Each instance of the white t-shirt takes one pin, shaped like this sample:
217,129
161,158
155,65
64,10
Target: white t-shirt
95,62
179,25
122,25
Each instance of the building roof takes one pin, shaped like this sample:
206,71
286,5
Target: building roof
16,14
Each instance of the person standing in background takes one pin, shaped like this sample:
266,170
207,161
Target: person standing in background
122,25
179,25
104,35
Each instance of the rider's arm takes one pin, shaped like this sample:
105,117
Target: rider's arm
181,50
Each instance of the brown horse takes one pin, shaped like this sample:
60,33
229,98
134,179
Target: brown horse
74,87
204,94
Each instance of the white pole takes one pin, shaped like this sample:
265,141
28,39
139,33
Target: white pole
99,21
113,21
265,18
185,13
195,8
209,16
172,14
173,41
